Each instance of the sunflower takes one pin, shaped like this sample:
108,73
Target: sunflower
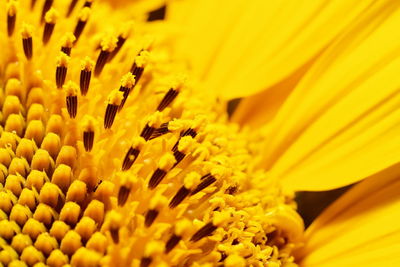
116,148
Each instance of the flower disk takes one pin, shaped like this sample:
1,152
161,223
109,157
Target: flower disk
109,156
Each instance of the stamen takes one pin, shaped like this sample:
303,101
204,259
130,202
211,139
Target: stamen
27,40
163,129
71,7
181,146
139,64
88,132
71,90
172,242
130,158
120,43
86,73
150,216
147,132
206,230
179,156
156,178
123,195
189,132
11,16
207,180
145,262
168,98
80,26
67,42
62,68
165,163
179,197
127,84
50,18
108,45
46,7
114,100
88,3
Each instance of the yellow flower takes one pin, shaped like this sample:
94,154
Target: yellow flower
112,152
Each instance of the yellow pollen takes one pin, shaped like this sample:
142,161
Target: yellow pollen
63,60
166,161
115,97
68,40
109,43
84,14
86,64
12,8
26,31
128,80
142,58
51,16
71,88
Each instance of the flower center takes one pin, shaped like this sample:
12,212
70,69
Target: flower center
109,156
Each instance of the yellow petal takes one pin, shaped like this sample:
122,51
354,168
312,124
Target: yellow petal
242,47
341,123
261,108
142,5
361,228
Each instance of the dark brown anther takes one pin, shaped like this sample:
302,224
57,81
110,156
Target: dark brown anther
80,25
156,178
145,262
88,3
123,195
72,105
28,47
179,197
125,92
33,2
101,62
130,158
86,73
137,71
85,81
66,50
97,185
190,132
206,230
231,190
163,129
179,156
147,132
71,7
120,43
47,32
46,7
150,216
88,138
172,242
127,84
111,112
115,235
61,74
50,19
61,70
11,17
71,90
168,98
207,180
